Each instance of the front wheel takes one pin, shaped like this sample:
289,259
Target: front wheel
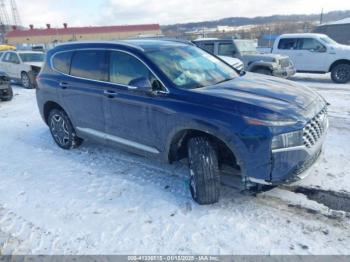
62,130
204,171
26,82
341,73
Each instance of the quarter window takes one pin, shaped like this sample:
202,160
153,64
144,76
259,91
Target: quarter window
288,44
90,64
226,49
61,62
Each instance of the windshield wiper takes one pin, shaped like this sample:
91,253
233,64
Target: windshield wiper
225,80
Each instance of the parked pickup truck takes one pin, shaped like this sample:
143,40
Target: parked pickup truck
316,53
245,50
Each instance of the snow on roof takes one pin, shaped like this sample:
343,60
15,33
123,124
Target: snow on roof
339,22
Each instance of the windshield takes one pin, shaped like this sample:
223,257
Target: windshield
32,57
190,67
328,40
246,46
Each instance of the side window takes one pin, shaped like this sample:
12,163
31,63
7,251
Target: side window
14,58
6,57
61,62
208,47
226,49
125,68
288,44
90,64
310,44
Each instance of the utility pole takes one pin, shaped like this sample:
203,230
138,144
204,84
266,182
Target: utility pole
321,18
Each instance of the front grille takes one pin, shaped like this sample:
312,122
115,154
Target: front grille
315,128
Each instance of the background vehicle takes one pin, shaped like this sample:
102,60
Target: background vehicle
6,93
172,100
22,66
316,53
245,50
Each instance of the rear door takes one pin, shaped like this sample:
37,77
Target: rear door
82,90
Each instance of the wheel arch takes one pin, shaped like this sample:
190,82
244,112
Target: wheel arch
177,147
338,62
48,107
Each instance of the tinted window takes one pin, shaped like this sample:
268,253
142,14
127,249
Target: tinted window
309,44
61,62
125,68
32,57
288,44
90,64
226,49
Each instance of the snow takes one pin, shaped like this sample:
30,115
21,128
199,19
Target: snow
101,200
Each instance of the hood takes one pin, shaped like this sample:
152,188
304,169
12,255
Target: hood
278,96
38,64
343,50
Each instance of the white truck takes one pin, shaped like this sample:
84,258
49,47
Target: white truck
315,53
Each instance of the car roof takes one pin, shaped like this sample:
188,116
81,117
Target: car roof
140,44
302,35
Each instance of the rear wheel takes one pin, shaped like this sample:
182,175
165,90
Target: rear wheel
25,79
341,73
204,171
62,130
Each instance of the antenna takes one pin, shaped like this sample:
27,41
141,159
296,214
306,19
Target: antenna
15,14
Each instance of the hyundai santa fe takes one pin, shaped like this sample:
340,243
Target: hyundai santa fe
173,101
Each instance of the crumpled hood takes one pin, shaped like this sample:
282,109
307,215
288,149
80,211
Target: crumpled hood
281,96
38,64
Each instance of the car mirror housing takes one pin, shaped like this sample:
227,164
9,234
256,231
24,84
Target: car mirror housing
142,84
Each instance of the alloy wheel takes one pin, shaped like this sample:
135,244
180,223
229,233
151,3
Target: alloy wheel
59,130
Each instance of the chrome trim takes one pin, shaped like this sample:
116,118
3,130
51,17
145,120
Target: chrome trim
288,149
119,140
100,81
258,181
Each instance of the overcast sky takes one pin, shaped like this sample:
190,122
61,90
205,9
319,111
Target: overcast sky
110,12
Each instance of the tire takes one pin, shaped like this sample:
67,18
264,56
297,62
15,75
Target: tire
10,95
204,171
263,71
62,130
341,73
25,80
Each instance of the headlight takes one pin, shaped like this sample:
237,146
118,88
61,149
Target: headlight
287,140
259,122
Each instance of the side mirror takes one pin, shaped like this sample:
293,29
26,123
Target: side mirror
142,84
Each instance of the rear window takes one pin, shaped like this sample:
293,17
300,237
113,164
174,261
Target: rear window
61,62
90,64
288,44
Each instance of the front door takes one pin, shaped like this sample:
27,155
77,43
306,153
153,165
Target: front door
131,116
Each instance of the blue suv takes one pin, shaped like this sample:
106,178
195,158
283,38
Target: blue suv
173,101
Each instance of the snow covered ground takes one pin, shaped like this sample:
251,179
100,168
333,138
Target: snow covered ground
100,200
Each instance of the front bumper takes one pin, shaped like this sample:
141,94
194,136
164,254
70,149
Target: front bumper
284,72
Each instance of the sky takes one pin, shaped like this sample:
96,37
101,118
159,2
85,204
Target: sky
115,12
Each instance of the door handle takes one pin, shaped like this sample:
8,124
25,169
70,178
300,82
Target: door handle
110,94
64,85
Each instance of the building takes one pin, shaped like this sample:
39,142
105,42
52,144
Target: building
33,36
338,30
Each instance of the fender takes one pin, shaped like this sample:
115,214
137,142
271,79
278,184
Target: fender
255,64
